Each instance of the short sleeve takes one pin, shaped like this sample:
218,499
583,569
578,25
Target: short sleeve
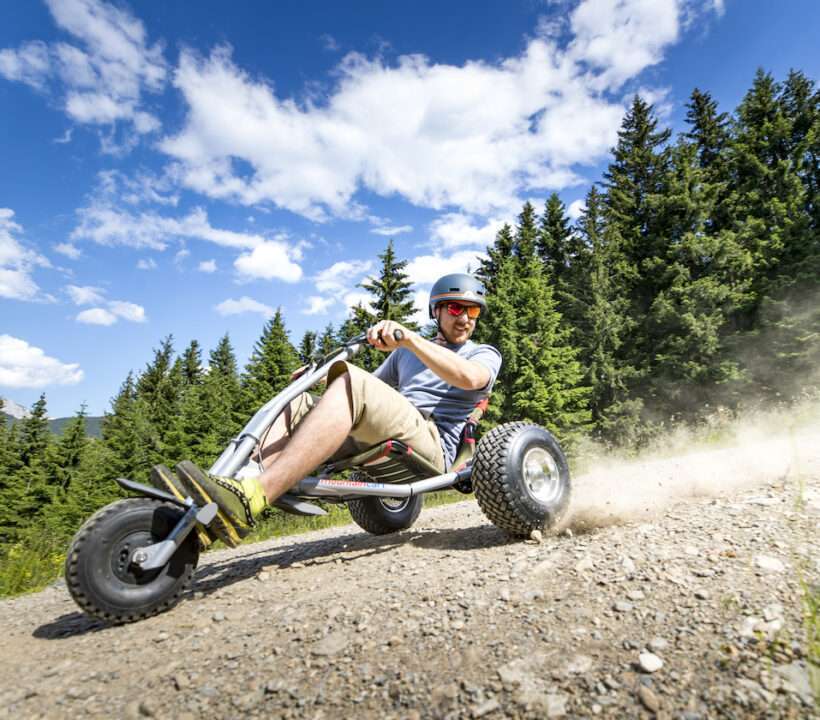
490,358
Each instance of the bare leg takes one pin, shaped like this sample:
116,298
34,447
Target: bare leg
316,438
274,440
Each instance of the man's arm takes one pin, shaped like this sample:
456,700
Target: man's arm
454,370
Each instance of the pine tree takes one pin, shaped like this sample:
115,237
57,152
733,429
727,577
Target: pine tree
704,283
540,379
773,165
496,255
25,497
192,364
270,366
635,182
34,434
68,451
119,432
308,347
555,239
214,413
328,341
392,296
526,235
599,318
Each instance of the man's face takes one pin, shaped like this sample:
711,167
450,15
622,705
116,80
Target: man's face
456,329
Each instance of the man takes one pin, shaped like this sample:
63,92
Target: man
421,395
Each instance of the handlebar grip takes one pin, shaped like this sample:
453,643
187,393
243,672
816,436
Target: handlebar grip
398,335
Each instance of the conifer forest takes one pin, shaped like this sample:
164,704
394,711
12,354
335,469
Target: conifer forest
688,285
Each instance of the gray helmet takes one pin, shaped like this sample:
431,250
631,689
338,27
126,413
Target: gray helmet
458,286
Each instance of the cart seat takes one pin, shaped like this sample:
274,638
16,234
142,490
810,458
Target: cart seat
395,462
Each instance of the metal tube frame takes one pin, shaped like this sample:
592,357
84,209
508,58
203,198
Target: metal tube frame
240,448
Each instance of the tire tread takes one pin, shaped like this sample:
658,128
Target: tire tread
74,581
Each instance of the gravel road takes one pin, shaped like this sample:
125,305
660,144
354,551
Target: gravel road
669,594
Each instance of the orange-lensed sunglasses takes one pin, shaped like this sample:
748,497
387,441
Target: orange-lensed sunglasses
456,308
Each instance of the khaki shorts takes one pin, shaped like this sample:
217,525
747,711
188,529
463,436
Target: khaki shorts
379,413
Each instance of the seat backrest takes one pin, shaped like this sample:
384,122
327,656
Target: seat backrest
466,446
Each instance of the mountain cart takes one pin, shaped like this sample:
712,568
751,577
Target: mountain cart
136,557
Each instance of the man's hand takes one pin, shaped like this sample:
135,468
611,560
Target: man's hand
380,336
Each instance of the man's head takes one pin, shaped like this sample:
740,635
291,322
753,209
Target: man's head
455,303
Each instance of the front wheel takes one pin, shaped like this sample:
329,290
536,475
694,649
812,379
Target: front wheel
521,478
99,572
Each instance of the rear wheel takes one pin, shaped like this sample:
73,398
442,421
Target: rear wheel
382,516
521,478
99,571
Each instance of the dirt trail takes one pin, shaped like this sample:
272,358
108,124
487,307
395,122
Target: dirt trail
691,564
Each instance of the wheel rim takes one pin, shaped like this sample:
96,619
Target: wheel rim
122,553
394,505
541,475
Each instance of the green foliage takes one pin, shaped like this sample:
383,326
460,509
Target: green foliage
270,366
540,379
391,291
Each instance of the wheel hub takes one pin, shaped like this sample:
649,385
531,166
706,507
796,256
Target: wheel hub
541,475
394,505
122,557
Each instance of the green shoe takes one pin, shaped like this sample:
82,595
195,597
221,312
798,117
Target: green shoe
239,501
163,479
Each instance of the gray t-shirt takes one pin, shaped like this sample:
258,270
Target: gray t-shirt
449,406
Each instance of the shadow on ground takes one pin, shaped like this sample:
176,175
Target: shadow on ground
357,547
213,576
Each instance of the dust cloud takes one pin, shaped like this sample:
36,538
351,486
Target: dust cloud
763,450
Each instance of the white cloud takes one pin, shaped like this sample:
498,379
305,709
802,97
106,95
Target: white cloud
356,297
65,137
575,209
68,249
85,295
103,77
17,262
17,285
389,231
207,266
108,315
146,264
620,38
456,230
318,305
104,224
267,261
114,187
96,316
30,64
25,366
339,275
127,311
244,305
338,284
475,136
426,269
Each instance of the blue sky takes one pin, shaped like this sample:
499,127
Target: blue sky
174,172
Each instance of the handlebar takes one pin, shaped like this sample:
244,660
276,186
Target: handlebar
398,335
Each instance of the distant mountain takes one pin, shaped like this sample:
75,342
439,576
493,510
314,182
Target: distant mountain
12,412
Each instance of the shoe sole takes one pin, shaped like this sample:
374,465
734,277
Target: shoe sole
163,479
221,525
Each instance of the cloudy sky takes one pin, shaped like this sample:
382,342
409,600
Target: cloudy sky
175,172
